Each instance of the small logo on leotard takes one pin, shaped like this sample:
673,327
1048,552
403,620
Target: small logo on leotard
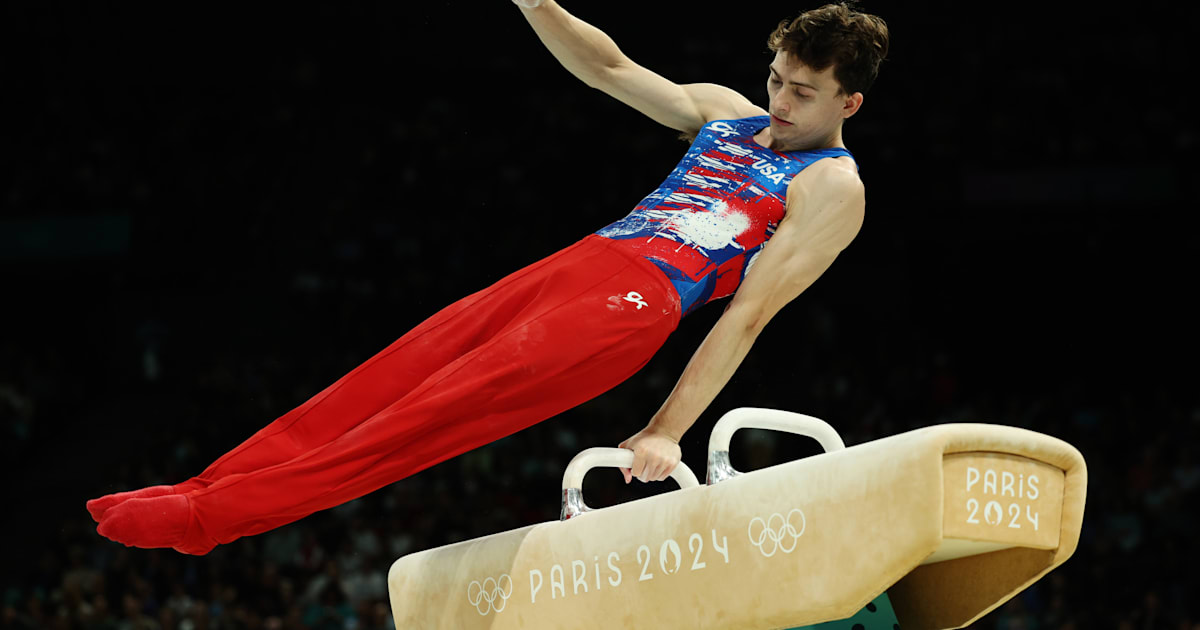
636,298
723,128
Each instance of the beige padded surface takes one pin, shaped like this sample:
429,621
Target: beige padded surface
862,521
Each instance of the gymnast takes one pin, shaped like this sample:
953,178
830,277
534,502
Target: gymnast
567,328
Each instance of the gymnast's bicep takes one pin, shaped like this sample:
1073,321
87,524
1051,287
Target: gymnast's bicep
684,108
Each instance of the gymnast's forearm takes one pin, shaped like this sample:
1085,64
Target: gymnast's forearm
584,50
710,368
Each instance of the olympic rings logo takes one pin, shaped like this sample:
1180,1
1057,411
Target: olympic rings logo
490,595
777,532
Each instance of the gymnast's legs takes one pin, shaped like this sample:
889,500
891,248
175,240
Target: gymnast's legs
360,394
538,342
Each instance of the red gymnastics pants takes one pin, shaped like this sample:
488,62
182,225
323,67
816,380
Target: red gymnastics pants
538,342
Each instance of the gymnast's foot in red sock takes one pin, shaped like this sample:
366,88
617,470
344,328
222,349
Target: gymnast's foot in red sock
97,507
164,521
147,523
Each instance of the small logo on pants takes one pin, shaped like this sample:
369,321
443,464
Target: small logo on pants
636,298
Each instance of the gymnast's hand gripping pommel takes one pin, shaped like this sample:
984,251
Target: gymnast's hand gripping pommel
655,455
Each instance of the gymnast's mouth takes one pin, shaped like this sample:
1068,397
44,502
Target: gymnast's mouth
780,121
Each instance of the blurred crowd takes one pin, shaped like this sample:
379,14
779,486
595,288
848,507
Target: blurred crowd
293,210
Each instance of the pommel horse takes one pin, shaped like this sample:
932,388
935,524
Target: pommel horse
932,528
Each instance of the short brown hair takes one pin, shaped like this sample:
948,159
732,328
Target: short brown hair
836,35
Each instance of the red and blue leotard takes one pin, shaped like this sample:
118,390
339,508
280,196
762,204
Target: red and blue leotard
715,212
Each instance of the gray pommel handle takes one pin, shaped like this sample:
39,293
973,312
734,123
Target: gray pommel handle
719,467
572,485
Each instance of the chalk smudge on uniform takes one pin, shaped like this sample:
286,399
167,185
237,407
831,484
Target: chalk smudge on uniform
713,230
708,225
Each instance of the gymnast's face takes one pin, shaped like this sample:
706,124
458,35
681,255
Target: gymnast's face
807,108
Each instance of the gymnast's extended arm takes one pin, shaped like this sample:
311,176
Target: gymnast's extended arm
596,60
825,206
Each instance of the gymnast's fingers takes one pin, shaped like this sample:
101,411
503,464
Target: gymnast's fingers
668,467
639,465
626,472
664,470
654,470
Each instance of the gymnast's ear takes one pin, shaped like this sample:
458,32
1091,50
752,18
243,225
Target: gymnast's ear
852,104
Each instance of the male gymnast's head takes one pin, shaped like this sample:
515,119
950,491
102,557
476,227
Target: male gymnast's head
825,61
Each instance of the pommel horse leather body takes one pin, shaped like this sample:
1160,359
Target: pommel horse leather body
951,520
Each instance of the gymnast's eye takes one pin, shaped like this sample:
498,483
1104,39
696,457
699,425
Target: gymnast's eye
775,81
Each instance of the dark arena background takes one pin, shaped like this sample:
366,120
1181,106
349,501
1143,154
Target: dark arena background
212,211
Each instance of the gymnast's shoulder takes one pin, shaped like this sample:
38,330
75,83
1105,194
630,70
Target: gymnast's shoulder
835,176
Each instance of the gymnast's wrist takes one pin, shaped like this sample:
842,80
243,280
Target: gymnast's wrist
657,427
528,4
